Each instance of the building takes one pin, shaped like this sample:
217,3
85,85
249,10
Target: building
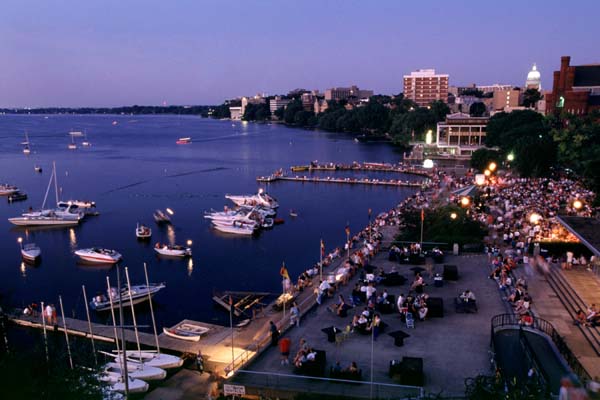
460,134
276,103
308,101
506,98
236,112
575,89
320,106
496,87
424,86
534,79
258,99
347,93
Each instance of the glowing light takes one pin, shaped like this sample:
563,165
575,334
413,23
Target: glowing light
190,266
453,215
535,218
577,204
429,137
492,166
189,242
510,157
487,172
465,201
72,238
428,164
23,269
20,240
480,179
170,212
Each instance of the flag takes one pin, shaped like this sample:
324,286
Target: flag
422,214
322,248
284,272
347,230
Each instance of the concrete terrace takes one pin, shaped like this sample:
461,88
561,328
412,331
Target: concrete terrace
453,348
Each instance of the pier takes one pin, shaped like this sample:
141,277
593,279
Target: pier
350,181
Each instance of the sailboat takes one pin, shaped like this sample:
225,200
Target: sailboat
85,142
73,145
26,149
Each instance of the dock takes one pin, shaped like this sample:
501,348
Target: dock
350,181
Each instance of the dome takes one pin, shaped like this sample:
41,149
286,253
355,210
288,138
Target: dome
534,77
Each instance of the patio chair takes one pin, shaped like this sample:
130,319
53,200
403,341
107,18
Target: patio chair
410,322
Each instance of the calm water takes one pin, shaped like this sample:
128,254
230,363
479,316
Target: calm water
135,166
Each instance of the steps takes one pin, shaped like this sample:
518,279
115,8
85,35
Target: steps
573,302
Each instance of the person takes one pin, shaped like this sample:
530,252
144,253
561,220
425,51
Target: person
467,295
54,317
353,368
337,368
284,349
48,314
324,288
274,333
294,315
200,362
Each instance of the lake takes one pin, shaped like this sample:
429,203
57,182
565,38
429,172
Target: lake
134,167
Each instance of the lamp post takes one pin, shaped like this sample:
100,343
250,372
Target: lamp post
535,218
453,216
492,167
577,204
465,201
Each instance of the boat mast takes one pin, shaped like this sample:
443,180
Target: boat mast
55,182
135,329
126,371
151,310
48,188
87,312
62,312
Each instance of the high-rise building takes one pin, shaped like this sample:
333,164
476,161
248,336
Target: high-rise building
277,103
506,99
575,89
424,86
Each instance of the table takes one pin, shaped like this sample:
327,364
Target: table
399,337
285,298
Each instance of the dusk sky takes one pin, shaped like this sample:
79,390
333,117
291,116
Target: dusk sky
124,52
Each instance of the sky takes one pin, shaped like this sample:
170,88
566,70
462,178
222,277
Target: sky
123,52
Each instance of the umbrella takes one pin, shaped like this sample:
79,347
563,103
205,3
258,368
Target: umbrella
330,332
399,337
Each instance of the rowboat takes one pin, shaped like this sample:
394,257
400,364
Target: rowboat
139,294
99,255
186,331
6,189
172,250
143,232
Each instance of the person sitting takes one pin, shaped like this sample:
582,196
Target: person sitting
580,318
417,283
340,308
467,296
526,319
352,368
359,323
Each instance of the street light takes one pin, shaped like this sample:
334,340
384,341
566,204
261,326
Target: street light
429,137
510,157
492,166
189,243
577,204
453,215
535,218
487,172
465,201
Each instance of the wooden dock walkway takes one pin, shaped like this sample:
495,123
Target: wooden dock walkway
350,181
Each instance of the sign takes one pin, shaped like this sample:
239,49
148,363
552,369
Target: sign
234,390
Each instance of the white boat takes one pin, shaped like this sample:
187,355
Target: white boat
259,199
72,145
264,211
37,168
172,250
78,203
161,217
143,232
99,255
30,252
151,358
85,142
117,384
26,149
6,189
139,294
76,133
138,371
46,220
235,227
186,331
184,140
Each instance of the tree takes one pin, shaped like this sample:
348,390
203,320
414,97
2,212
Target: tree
373,117
477,109
291,110
279,113
531,97
481,158
439,110
328,119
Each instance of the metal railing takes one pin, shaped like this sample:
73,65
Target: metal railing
267,383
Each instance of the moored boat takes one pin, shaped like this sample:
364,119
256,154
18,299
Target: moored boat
29,252
17,196
99,255
6,189
138,371
77,203
43,220
259,199
184,140
298,168
152,358
139,294
161,217
235,227
186,331
115,382
172,250
143,232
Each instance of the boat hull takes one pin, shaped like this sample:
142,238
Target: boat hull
33,221
179,335
97,258
139,371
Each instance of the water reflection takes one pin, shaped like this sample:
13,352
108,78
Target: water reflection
23,269
72,239
190,266
171,234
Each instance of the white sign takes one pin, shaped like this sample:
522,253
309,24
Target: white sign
234,390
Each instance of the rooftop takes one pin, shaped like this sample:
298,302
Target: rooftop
586,229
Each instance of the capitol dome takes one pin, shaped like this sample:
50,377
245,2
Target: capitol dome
534,79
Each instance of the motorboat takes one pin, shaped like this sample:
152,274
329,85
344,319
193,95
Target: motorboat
86,204
259,199
17,196
143,232
235,227
139,294
6,189
51,219
264,211
172,250
151,358
72,145
115,382
184,140
267,223
293,214
138,371
161,217
30,251
98,255
76,133
186,331
37,168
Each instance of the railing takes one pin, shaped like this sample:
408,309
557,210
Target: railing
265,383
547,328
533,358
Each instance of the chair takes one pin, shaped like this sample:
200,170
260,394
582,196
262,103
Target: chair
343,335
410,322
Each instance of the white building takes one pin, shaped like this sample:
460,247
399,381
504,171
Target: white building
276,103
258,99
236,112
460,134
534,79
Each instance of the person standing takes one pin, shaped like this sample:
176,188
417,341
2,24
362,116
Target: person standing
294,315
200,362
274,333
284,348
48,314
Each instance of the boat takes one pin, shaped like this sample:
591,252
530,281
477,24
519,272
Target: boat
6,189
98,255
187,331
115,382
293,213
72,145
77,203
259,199
264,211
267,223
17,196
299,168
137,371
50,219
37,168
184,140
161,217
85,142
30,252
76,133
279,221
143,232
235,227
26,149
151,358
172,250
139,294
